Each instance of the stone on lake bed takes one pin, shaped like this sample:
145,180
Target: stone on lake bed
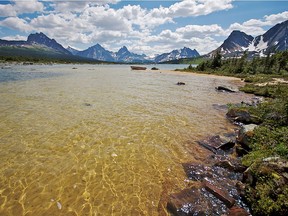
218,143
219,192
59,205
114,155
193,201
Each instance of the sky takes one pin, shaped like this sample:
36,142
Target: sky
148,27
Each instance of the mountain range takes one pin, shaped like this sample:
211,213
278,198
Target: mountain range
45,45
275,39
123,55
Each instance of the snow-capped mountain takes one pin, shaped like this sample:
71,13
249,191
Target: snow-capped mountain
236,42
275,39
97,52
176,54
124,55
100,53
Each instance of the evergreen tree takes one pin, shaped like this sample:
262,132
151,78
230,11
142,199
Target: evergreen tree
216,62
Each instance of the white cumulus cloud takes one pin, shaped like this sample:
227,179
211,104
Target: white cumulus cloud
18,7
256,26
16,23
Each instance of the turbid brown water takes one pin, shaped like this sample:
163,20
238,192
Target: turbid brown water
101,140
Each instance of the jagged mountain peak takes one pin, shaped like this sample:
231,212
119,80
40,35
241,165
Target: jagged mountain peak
123,50
237,41
177,54
42,39
39,38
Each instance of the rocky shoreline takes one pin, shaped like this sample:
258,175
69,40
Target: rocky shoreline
222,180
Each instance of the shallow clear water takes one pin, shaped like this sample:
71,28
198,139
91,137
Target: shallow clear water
102,140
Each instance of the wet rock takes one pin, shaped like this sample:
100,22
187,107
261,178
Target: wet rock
195,201
220,188
237,211
245,134
188,202
181,83
228,163
218,144
231,166
197,172
226,89
219,192
238,114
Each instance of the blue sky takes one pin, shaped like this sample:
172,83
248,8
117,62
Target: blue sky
145,26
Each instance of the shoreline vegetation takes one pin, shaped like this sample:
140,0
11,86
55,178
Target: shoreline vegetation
262,141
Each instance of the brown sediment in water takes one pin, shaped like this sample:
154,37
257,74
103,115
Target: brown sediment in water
120,155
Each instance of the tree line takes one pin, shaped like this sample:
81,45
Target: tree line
276,63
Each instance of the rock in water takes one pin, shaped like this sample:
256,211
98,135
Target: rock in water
226,89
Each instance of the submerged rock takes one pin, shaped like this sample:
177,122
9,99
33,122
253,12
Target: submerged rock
195,201
219,192
230,164
188,202
218,144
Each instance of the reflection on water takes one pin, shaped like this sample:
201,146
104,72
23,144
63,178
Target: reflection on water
102,140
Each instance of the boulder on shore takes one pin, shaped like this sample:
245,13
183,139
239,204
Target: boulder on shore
238,114
245,135
226,89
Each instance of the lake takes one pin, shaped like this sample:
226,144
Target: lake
102,139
